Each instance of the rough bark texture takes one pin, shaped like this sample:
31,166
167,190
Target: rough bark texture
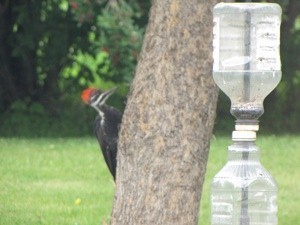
168,121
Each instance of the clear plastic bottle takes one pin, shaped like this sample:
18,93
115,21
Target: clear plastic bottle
246,51
243,192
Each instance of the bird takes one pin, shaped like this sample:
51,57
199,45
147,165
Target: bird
106,125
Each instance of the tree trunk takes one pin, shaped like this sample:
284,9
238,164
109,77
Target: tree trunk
168,120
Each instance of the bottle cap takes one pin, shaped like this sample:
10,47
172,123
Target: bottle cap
247,127
243,135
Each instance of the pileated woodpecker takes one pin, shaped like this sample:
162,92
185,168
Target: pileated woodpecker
106,124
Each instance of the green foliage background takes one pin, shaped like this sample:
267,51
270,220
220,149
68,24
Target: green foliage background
50,50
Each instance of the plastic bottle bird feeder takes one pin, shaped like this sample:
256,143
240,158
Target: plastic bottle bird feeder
246,68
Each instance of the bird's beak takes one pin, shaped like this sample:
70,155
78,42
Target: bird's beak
109,92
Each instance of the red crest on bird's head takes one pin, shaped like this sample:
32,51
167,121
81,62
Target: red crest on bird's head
87,93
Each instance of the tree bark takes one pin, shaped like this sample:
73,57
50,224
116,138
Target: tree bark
168,120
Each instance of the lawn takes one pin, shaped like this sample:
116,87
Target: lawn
65,181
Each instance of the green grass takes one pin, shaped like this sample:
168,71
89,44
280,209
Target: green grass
65,181
43,179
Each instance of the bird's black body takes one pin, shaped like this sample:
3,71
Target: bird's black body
106,128
106,124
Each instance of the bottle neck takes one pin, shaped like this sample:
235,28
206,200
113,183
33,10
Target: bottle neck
243,150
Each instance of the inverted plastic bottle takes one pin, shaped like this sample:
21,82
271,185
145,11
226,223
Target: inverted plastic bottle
246,54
